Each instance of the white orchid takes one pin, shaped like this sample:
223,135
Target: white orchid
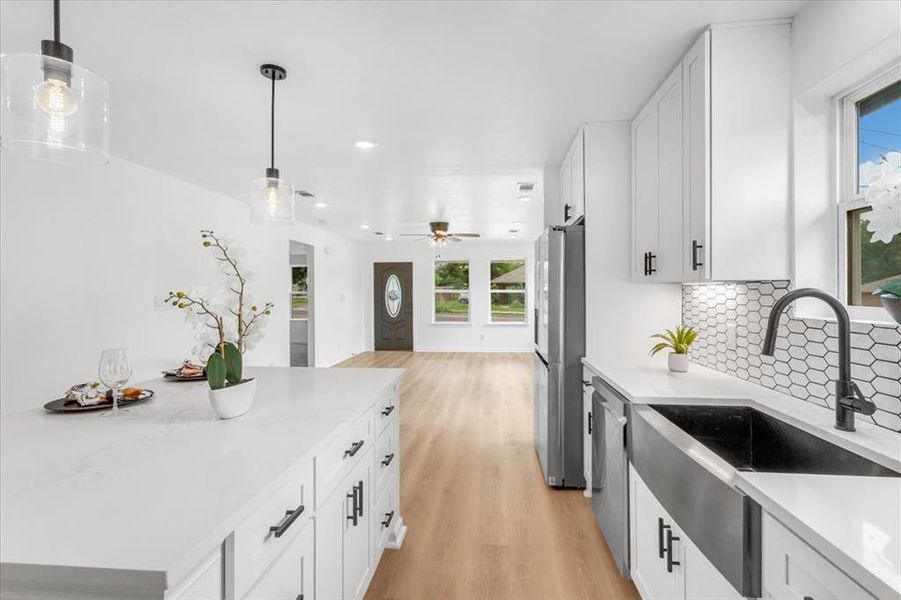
884,196
226,312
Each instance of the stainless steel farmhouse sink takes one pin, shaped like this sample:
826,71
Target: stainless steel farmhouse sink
690,456
750,440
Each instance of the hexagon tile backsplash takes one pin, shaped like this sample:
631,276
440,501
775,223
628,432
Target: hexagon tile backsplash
806,355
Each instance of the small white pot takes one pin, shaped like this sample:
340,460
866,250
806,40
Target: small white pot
678,363
234,400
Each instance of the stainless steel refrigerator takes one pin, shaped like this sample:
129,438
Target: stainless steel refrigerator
559,348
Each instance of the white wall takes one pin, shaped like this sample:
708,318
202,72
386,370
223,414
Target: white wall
478,335
620,315
834,46
84,251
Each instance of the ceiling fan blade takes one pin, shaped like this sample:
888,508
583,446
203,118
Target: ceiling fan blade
454,238
414,235
465,235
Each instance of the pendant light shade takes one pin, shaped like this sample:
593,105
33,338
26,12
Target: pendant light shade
52,108
271,197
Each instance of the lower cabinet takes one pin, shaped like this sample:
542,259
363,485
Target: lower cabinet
343,540
290,576
792,570
588,425
666,565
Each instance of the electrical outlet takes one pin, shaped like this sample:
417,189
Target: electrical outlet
731,336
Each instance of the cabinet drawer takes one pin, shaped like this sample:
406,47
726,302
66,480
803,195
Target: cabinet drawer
291,574
792,570
387,455
386,410
384,514
340,456
257,544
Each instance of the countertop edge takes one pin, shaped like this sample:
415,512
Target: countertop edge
870,581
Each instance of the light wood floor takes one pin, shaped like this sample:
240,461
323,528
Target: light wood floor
482,524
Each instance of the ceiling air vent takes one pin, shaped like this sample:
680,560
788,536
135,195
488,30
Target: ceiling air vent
525,187
305,194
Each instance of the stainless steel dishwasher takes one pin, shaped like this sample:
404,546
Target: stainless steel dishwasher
609,470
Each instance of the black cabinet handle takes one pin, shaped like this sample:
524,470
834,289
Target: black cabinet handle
355,447
389,516
353,511
388,411
651,258
670,538
282,526
590,418
388,459
695,262
299,597
566,209
360,505
808,597
660,529
645,263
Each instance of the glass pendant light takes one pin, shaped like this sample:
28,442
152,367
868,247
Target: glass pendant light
272,198
51,108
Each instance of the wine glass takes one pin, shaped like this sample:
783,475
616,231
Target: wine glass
114,372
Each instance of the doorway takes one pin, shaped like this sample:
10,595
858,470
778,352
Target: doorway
393,305
302,309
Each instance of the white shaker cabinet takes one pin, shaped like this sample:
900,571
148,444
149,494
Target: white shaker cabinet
572,183
588,429
792,570
657,185
290,576
710,170
666,565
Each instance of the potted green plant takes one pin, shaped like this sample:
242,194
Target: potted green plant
890,294
678,341
226,324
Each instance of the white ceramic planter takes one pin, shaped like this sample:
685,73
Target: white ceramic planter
235,400
677,363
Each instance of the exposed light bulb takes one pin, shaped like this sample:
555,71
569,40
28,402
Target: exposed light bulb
56,98
272,202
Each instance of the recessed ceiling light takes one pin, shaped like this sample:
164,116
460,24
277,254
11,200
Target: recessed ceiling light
513,236
389,237
516,224
365,144
524,198
320,204
364,226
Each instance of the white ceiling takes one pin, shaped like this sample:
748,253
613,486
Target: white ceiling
465,99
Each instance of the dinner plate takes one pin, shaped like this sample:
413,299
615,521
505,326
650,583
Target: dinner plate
64,405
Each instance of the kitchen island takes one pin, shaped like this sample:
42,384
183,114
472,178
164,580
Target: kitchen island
168,501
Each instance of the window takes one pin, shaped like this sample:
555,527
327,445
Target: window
299,297
869,206
508,291
451,292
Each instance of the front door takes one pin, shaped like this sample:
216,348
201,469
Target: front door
393,304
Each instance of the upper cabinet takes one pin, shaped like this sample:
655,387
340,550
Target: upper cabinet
572,183
710,162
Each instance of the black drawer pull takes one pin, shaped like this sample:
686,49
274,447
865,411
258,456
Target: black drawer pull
360,505
355,447
670,538
388,410
353,511
389,516
388,459
290,516
661,550
590,418
651,258
299,597
695,261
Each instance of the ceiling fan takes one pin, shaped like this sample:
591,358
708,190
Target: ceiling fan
440,234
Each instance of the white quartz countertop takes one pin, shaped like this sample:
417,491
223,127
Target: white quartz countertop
152,492
854,521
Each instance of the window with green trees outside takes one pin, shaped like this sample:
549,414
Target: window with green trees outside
508,291
451,292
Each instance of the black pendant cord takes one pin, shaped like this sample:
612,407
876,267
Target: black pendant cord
271,127
56,21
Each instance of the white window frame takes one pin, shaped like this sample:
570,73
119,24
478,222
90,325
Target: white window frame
848,171
305,294
525,294
468,291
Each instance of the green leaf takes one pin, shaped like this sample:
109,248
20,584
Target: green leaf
658,348
215,371
233,363
889,288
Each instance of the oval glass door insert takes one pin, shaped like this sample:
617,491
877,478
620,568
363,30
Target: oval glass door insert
393,296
